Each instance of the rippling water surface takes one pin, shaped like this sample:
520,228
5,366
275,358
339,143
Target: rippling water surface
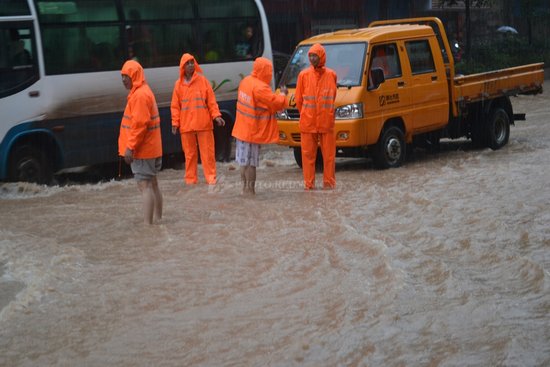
443,262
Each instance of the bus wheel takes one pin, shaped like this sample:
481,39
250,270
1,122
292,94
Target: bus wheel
298,155
498,129
389,152
28,164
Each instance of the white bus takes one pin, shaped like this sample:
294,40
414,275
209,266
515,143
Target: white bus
61,95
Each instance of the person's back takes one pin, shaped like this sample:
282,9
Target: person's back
256,105
255,123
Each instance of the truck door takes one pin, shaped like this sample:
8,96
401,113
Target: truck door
428,86
392,98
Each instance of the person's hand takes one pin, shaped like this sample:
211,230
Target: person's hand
283,89
174,130
128,156
220,121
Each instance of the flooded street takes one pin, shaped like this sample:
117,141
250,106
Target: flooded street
442,262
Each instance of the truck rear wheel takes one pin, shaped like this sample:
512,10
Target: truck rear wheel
389,152
498,129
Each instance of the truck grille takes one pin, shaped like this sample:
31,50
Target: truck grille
293,113
296,137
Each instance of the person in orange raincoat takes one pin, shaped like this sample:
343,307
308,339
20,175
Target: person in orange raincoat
140,141
255,123
315,95
193,108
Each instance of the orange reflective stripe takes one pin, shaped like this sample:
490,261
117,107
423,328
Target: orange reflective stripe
252,107
255,117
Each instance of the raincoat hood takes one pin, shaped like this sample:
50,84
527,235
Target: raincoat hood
262,69
135,71
319,50
186,57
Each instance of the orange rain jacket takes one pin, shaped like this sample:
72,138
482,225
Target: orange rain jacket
315,94
193,105
140,125
256,106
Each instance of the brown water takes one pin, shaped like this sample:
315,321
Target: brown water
443,262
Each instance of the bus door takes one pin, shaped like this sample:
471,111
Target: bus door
18,71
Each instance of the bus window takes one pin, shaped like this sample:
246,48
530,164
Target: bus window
152,10
227,9
73,38
243,41
14,7
169,42
154,43
18,67
81,49
248,42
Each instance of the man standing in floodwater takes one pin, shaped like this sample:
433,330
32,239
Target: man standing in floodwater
255,123
140,141
315,95
193,108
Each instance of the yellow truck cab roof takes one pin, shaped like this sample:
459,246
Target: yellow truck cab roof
373,34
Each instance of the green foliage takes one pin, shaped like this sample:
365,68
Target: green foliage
503,51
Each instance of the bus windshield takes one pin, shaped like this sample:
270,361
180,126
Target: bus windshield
346,59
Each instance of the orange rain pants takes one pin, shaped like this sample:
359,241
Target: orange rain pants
310,143
205,141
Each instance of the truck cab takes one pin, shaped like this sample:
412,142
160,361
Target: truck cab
389,78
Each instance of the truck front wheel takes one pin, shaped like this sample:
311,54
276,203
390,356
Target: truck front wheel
389,152
298,156
498,129
318,160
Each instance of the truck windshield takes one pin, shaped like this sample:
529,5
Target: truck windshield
346,59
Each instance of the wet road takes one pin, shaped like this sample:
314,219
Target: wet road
443,262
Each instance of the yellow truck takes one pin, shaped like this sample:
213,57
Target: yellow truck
397,86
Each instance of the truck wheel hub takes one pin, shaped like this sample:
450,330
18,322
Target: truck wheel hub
393,149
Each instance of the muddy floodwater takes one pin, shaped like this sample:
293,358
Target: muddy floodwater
442,262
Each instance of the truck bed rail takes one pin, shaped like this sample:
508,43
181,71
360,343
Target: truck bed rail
525,79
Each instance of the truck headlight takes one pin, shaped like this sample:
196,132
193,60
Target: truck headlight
349,111
281,115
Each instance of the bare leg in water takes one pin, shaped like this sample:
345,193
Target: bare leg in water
157,214
248,177
251,179
152,200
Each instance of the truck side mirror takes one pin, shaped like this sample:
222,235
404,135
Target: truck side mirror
376,78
